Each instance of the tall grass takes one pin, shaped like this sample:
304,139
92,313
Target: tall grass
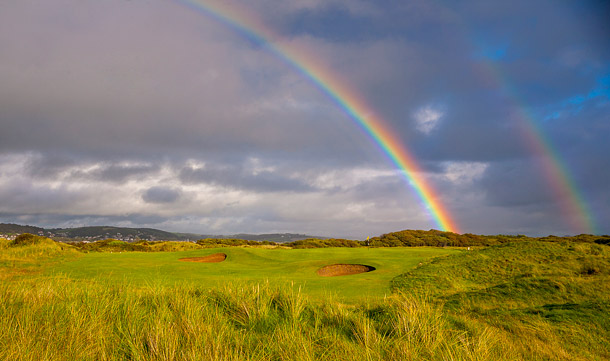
59,319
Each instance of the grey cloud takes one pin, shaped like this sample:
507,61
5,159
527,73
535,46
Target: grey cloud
382,189
515,184
140,219
161,195
18,195
118,173
48,165
51,166
110,86
47,220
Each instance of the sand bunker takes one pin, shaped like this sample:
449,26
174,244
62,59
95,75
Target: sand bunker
213,258
344,270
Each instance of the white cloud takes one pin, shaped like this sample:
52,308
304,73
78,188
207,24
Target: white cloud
464,172
349,203
349,178
427,118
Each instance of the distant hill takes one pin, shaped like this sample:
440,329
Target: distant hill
93,233
16,229
103,232
133,234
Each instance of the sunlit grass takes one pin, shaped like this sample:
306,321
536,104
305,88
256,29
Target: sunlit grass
520,301
256,265
59,319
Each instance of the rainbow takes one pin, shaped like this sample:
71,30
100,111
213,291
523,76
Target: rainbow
571,204
353,105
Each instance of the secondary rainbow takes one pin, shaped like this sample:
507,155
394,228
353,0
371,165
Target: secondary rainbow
571,204
348,100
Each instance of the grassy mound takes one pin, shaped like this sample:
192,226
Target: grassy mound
29,253
27,239
549,299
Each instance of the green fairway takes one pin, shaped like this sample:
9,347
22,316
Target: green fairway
276,266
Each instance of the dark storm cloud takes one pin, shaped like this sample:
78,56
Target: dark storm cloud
542,63
106,86
237,177
161,195
418,68
515,184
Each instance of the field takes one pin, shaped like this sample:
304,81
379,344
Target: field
515,301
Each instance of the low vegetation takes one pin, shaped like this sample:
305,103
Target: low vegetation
434,238
407,238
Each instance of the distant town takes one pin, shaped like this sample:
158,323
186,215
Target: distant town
86,239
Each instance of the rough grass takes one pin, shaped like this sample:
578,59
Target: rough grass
550,300
59,319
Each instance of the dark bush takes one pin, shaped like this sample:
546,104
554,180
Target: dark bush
28,239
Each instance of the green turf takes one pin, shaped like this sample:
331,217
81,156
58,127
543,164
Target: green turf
276,266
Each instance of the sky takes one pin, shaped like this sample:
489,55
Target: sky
156,113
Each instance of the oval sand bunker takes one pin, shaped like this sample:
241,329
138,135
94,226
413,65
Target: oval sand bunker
344,270
213,258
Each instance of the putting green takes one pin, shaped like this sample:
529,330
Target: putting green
256,265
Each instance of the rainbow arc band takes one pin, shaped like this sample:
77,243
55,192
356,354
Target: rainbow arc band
252,28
